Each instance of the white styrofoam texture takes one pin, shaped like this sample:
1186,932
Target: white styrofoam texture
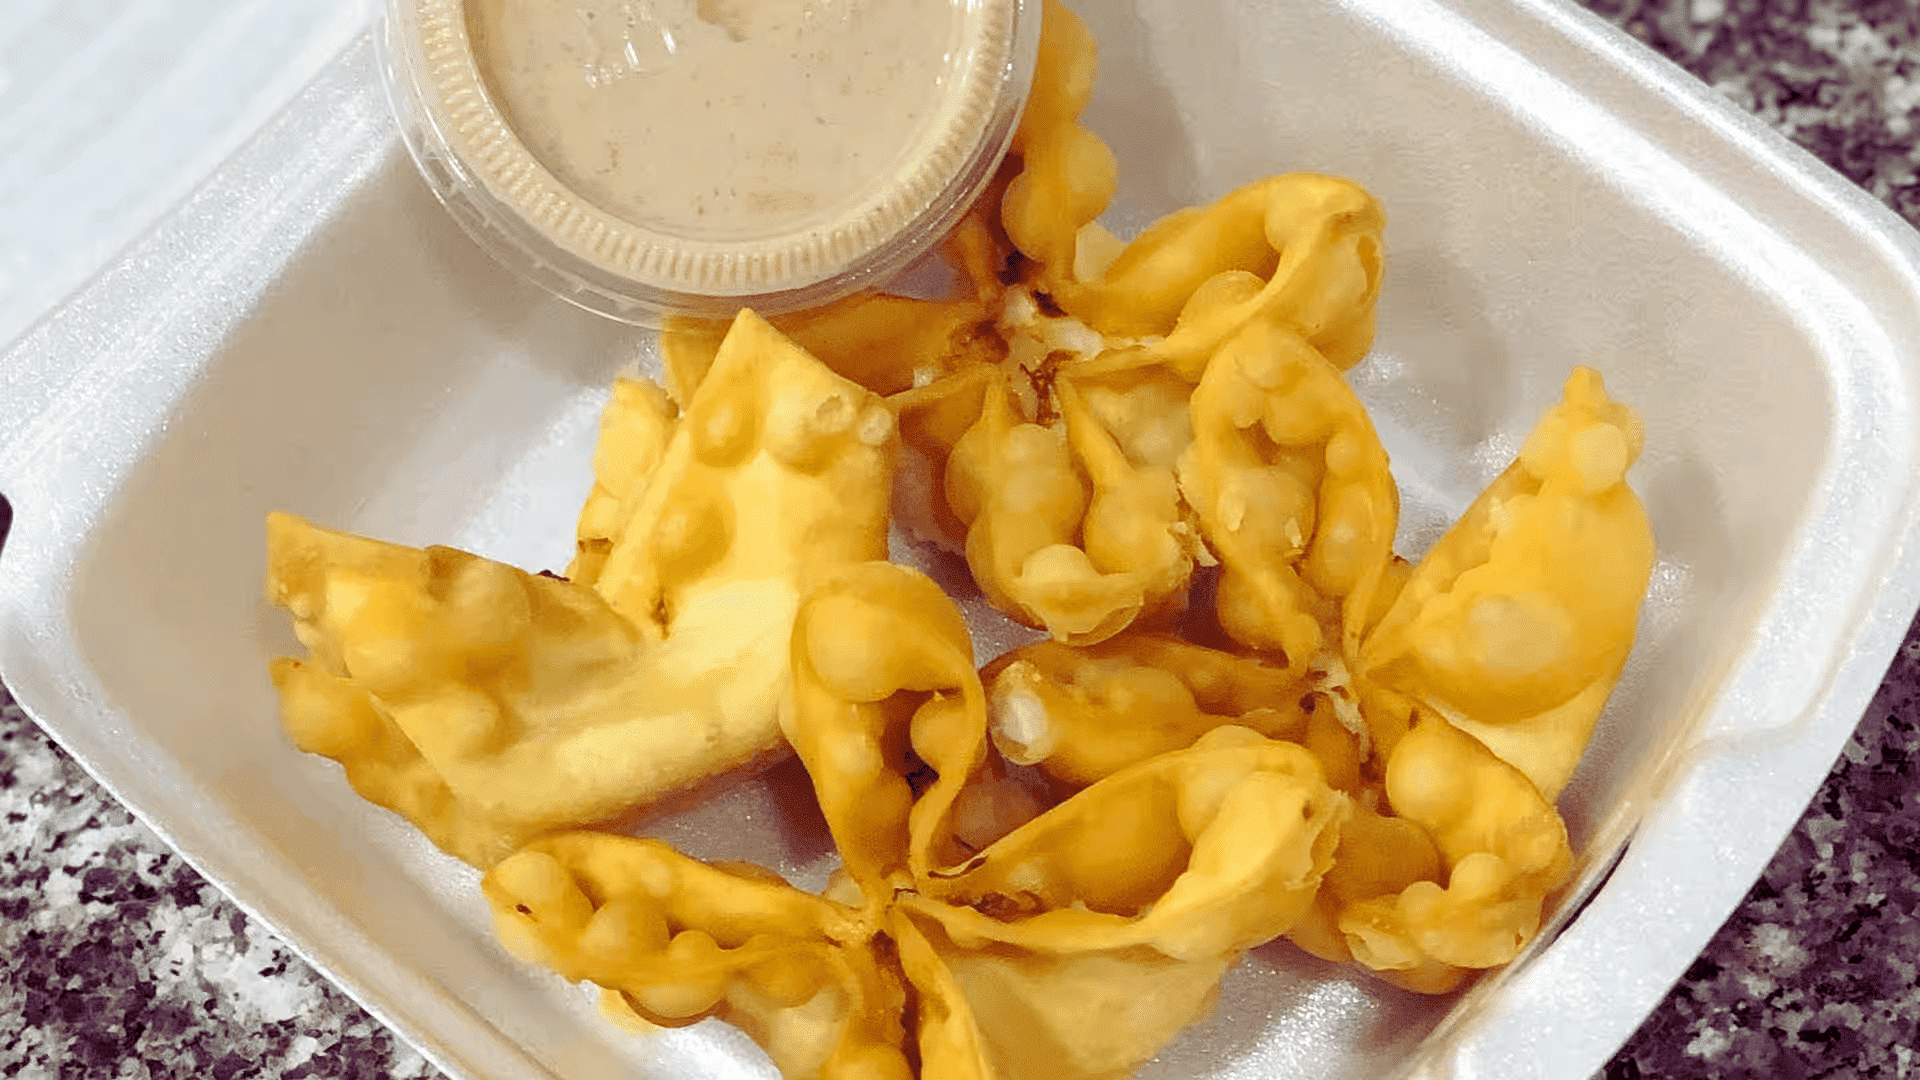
310,332
111,111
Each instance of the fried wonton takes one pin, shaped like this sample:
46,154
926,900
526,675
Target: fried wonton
1081,714
1503,851
681,940
1293,493
1516,625
1081,943
488,705
884,677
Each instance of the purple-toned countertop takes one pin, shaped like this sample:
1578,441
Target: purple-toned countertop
118,960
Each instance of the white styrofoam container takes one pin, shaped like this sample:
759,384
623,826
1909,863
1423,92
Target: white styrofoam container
309,331
111,111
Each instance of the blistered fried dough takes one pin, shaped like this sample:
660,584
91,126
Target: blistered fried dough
1012,1013
883,665
1083,714
1067,175
932,420
1220,682
1516,625
1327,230
540,703
1503,847
682,940
334,717
1100,929
1043,551
1014,487
883,342
1469,801
1292,490
1133,526
952,1046
526,697
1301,250
1145,287
1201,852
1379,855
778,473
634,431
1144,409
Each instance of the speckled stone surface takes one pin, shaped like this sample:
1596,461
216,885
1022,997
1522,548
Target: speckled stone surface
1815,974
117,960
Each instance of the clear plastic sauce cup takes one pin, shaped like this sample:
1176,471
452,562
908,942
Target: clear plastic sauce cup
647,158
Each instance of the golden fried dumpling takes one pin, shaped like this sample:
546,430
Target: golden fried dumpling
682,940
883,667
1081,714
1063,531
1082,942
1293,493
1516,625
1503,850
1201,852
1012,484
1012,1013
778,472
489,705
1134,527
1302,250
1067,175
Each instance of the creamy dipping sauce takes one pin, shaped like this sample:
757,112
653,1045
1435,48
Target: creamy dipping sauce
724,120
651,158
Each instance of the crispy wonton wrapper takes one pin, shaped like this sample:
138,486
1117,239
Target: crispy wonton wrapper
1379,855
933,419
1201,852
1134,526
1009,1013
681,940
1084,714
1293,493
1327,233
1067,175
1503,850
883,666
1299,249
778,473
1063,527
1516,625
1081,943
635,428
1015,488
488,705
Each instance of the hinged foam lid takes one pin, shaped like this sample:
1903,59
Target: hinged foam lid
111,113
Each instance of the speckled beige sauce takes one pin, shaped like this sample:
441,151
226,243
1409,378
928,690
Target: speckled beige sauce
721,119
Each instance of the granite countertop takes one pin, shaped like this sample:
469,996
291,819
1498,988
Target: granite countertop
118,960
